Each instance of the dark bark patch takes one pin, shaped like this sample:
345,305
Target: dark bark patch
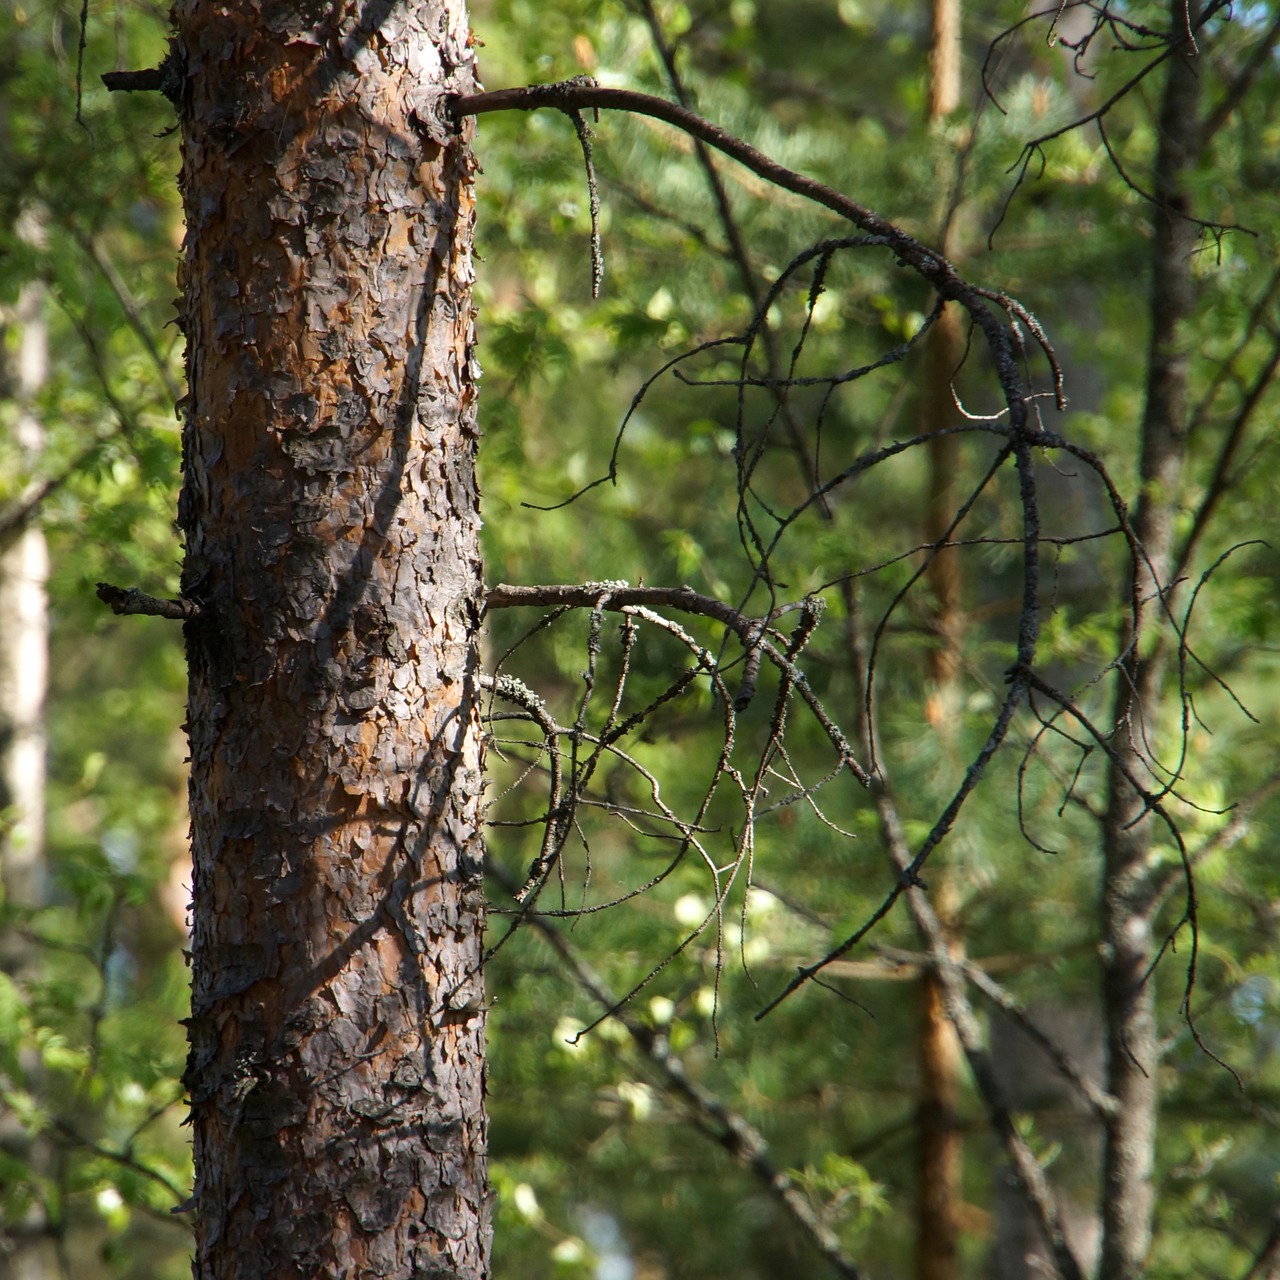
271,1107
238,968
375,1205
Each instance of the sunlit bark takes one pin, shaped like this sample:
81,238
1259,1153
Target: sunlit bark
940,1152
330,514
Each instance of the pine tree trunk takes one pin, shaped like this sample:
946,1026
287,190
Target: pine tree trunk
940,1150
331,518
1127,902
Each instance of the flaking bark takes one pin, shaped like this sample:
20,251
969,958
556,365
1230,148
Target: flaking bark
330,512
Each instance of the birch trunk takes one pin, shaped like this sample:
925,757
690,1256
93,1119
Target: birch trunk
24,634
27,1249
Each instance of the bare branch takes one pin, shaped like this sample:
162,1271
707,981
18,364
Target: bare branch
130,600
593,193
583,93
18,513
148,80
1240,85
1027,1169
132,312
1098,1100
1182,43
621,597
1222,479
740,1139
738,253
125,1158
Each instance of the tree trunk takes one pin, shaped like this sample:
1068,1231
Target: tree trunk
24,639
28,1250
1127,905
940,1151
330,511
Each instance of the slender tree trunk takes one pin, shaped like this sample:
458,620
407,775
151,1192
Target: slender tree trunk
28,1251
330,511
940,1152
944,349
943,353
1128,995
24,634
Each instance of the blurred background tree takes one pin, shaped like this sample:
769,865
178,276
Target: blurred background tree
601,1162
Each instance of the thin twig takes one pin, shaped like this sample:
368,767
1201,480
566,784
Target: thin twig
1026,1168
593,191
132,312
1099,1101
80,48
582,94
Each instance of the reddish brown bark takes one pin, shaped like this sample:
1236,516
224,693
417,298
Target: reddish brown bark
943,354
944,58
940,1152
330,513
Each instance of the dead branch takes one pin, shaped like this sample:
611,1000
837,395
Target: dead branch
130,600
713,1117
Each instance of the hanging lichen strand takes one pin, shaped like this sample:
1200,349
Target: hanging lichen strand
331,518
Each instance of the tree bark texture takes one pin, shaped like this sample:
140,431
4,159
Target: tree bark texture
1127,902
330,512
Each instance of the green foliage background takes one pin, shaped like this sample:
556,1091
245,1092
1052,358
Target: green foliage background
599,1172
